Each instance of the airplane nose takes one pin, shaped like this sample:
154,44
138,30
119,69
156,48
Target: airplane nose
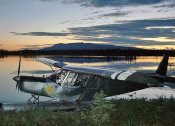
16,78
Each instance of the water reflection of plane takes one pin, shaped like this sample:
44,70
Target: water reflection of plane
80,83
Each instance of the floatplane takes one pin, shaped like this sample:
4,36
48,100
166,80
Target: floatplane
80,83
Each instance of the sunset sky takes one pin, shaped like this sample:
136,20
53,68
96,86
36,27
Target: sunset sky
40,23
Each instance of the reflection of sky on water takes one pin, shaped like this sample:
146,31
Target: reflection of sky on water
29,66
92,59
8,69
34,71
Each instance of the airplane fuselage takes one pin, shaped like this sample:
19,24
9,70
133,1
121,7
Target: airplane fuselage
73,83
71,86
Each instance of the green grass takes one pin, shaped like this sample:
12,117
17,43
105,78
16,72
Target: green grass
160,112
138,112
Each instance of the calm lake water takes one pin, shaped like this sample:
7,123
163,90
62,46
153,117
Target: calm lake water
29,66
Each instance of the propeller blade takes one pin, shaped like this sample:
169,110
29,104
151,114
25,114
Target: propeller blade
16,86
17,78
19,67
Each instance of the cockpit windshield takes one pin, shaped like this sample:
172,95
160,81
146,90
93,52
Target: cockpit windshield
70,79
74,79
61,77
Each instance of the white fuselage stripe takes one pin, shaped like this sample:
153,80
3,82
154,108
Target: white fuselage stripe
125,75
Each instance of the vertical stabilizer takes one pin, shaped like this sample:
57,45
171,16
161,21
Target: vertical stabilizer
162,68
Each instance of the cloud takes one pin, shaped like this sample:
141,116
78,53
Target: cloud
41,34
125,41
46,0
169,4
138,32
65,22
97,12
35,47
132,28
112,3
114,14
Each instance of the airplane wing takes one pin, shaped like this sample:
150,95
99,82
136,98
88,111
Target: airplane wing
51,62
97,71
81,69
130,76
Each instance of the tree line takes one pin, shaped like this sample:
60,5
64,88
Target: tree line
107,53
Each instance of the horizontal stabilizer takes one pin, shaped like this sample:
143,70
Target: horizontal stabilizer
51,62
162,68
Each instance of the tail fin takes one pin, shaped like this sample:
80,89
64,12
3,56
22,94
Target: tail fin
162,68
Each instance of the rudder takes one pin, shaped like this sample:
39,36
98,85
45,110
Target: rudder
162,68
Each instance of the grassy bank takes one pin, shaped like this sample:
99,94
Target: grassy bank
139,112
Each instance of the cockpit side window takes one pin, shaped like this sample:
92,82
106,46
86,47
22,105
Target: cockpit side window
75,79
70,79
81,80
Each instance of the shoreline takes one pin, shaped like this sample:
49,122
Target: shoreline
89,53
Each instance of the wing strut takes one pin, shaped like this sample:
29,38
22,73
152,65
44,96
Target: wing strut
52,68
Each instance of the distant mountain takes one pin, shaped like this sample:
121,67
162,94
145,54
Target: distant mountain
85,46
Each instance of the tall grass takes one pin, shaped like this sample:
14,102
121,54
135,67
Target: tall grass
134,112
140,112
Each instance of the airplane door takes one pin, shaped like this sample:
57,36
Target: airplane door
90,89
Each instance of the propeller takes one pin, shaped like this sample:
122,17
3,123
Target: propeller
19,67
17,78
